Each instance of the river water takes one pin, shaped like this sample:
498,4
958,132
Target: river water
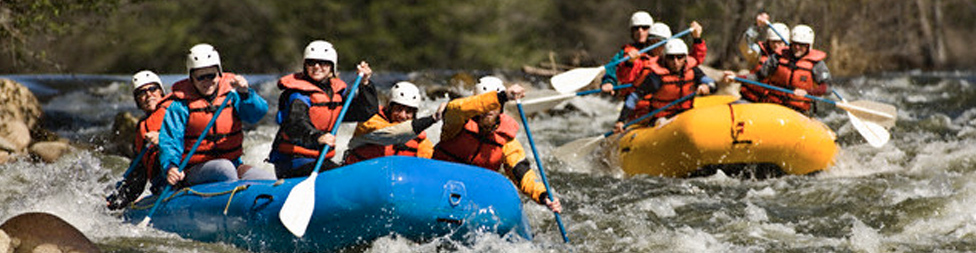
916,193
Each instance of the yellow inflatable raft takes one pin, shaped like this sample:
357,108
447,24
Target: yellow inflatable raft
716,134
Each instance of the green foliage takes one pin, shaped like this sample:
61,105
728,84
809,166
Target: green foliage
255,36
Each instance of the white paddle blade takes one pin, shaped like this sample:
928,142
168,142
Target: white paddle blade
297,210
875,134
542,104
869,111
571,152
144,222
575,79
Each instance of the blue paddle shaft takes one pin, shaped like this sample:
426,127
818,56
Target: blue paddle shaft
767,86
588,92
189,155
652,113
655,45
542,173
342,114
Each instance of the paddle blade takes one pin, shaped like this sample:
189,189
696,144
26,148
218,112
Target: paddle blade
535,105
144,222
297,210
575,79
875,134
880,113
577,149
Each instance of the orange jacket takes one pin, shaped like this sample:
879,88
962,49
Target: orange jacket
460,142
792,73
225,137
151,123
323,111
673,87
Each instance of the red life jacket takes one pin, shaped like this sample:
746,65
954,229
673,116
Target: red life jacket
151,123
793,74
469,147
673,87
755,93
632,72
370,151
323,111
225,137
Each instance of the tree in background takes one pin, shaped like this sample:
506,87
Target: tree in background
254,36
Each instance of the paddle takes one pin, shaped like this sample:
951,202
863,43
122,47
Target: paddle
586,145
545,103
875,134
542,172
145,221
577,78
296,212
877,114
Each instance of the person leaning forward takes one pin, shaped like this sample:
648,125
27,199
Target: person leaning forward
152,100
308,107
476,132
395,130
218,158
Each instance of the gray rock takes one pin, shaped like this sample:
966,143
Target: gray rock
49,151
16,135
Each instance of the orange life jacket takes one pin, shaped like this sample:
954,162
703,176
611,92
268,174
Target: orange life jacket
225,137
370,151
151,123
323,111
469,147
793,74
673,87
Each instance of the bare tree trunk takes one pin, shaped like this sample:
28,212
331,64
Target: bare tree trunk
940,47
929,41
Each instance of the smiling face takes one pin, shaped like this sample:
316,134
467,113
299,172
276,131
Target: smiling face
148,97
799,49
400,113
205,80
318,70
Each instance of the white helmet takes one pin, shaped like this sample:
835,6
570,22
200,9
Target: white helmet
405,93
202,55
145,77
661,30
641,18
322,50
802,34
676,46
488,84
778,27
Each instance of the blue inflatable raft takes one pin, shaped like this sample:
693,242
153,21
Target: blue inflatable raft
414,198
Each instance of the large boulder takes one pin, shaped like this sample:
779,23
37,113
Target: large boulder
43,232
19,104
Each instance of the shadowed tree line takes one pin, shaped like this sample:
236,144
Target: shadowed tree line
253,36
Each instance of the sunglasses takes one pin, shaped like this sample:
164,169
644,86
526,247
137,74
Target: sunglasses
312,63
204,77
149,89
675,56
642,27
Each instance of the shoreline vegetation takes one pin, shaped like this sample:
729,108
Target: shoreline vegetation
124,36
